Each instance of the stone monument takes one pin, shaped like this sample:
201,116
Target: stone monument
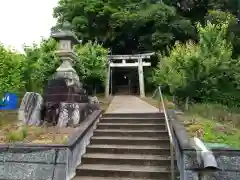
65,100
30,109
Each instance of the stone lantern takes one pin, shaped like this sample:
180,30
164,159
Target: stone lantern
64,98
67,40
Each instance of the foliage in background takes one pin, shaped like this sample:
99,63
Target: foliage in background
233,33
125,26
40,64
92,63
203,71
196,10
31,71
11,79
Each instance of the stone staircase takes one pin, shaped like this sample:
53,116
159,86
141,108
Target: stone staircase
127,146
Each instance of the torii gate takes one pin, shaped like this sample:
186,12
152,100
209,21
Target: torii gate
138,63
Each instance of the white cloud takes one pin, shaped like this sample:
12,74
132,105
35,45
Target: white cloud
25,21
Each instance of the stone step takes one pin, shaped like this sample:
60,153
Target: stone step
132,120
126,159
128,140
122,132
128,149
130,171
109,178
146,126
134,115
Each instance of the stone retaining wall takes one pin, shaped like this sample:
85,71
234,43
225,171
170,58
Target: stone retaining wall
47,162
228,160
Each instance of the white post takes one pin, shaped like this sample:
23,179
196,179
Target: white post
141,78
107,82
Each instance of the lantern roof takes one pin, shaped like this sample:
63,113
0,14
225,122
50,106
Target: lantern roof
64,32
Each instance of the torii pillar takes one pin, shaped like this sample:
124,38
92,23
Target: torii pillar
108,81
141,78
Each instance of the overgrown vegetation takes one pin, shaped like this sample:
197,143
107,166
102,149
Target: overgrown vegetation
214,123
16,132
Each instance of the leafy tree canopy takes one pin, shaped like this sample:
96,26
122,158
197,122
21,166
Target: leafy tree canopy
143,25
92,63
202,71
10,71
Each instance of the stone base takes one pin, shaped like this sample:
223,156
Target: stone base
72,114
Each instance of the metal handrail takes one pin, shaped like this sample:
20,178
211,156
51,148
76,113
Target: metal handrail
204,155
169,128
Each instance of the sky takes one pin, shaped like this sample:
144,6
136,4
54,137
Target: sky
25,21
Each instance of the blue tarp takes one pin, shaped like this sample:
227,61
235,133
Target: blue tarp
9,102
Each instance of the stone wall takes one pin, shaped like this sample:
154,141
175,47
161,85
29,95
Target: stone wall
46,162
228,160
30,163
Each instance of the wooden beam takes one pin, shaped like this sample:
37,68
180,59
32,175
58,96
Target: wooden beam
131,56
129,64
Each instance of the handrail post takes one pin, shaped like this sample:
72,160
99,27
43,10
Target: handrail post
172,162
159,99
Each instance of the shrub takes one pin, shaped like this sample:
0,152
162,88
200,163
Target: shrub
204,70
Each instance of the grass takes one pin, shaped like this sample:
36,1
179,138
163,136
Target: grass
213,123
11,130
16,132
155,102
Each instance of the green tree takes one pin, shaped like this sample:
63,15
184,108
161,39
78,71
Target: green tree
196,10
142,25
10,71
92,63
203,71
40,64
216,17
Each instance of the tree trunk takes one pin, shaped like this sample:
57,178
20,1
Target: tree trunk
95,89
